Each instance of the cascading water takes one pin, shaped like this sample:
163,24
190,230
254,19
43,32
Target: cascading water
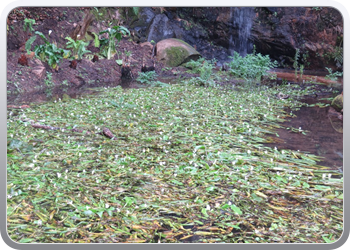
242,20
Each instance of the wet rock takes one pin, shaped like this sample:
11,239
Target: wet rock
160,29
141,25
337,102
174,52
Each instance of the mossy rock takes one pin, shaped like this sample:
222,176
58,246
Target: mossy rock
337,102
174,52
65,97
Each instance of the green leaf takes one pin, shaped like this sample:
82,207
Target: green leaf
236,209
100,213
96,40
29,43
119,61
306,185
322,188
211,188
199,222
26,240
204,212
177,182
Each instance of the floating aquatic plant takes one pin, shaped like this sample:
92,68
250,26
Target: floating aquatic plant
185,163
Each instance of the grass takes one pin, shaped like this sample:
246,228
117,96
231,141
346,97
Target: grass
187,164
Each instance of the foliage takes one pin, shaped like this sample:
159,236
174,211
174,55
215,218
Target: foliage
49,84
337,56
205,70
28,24
96,40
333,75
108,45
251,67
185,161
136,10
195,65
78,47
146,77
295,62
47,52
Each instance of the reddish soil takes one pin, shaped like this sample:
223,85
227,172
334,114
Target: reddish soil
26,85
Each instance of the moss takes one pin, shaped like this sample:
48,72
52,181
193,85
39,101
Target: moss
337,102
176,56
65,97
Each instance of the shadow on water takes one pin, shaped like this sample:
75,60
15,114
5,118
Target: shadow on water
323,138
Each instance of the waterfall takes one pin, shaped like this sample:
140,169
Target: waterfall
242,20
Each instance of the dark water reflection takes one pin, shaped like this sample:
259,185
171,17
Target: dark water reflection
322,138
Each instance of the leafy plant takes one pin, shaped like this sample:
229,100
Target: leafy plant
251,67
47,52
96,40
28,24
49,84
195,66
78,47
108,45
127,53
119,62
146,77
136,10
333,75
205,70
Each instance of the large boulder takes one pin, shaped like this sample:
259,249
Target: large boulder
174,52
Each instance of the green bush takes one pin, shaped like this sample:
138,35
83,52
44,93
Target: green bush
195,66
251,67
205,71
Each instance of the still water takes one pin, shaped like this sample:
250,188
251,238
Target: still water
323,137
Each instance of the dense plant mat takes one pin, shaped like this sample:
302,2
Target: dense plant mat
185,164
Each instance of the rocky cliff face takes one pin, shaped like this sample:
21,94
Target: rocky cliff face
218,31
316,32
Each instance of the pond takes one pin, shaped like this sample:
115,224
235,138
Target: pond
323,134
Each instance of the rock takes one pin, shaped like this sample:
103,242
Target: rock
174,52
39,71
65,97
38,68
337,102
160,28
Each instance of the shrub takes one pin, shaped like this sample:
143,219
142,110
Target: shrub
205,74
251,67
